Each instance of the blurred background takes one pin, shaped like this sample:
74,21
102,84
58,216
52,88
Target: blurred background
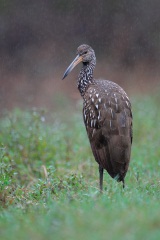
38,40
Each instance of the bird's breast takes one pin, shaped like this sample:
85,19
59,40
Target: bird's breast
107,107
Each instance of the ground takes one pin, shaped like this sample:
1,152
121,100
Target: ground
49,178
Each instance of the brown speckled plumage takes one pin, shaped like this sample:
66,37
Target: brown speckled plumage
107,116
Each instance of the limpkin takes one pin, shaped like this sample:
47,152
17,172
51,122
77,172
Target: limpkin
107,116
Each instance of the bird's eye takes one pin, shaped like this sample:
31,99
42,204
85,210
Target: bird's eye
85,52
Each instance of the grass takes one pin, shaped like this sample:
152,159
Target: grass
49,179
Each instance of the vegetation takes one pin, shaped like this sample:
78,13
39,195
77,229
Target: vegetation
49,179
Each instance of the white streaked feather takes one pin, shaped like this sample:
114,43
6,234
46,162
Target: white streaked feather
111,113
127,103
99,115
110,123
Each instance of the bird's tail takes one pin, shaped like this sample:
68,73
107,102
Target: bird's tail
118,177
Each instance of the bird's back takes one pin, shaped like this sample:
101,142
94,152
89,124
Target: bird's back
108,120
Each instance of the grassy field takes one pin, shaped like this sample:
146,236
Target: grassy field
49,179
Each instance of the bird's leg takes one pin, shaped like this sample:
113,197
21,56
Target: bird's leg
101,178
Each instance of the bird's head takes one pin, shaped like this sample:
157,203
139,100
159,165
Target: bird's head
85,54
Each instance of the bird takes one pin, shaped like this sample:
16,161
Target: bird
107,115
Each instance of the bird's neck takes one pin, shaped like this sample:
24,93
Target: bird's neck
85,77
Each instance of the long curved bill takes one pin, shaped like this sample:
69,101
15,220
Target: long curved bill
77,60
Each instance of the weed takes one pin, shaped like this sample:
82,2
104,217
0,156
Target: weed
49,179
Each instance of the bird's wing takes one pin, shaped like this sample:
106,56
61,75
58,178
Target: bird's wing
108,119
